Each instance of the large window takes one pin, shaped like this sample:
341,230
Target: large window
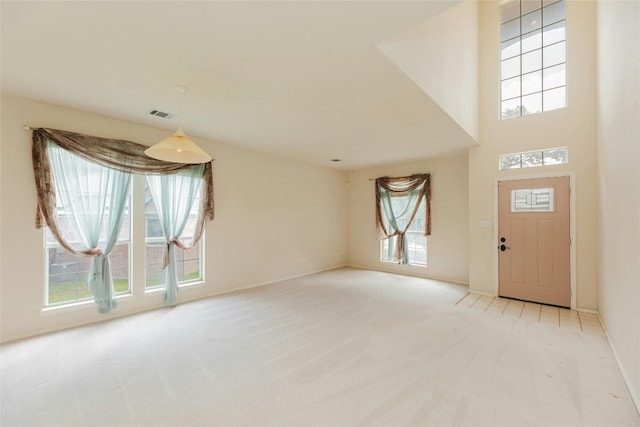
67,273
416,240
188,263
533,57
91,195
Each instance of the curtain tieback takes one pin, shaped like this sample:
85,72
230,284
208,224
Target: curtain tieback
399,244
165,256
93,252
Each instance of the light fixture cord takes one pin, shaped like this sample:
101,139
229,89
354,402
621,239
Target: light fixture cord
181,90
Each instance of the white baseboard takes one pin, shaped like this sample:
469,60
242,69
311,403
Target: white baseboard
269,282
623,372
591,311
410,273
488,294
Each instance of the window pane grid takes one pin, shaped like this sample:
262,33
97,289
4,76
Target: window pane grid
548,157
188,265
510,48
514,98
531,41
416,240
512,38
532,200
416,244
554,43
539,46
530,22
67,274
544,68
531,5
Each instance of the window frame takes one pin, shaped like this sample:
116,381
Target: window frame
385,242
181,283
542,153
513,104
136,243
160,239
47,246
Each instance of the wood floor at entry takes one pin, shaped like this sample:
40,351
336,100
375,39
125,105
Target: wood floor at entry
534,240
532,312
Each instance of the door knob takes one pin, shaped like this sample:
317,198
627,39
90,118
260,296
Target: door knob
504,248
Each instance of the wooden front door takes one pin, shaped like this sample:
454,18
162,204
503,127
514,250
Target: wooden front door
534,240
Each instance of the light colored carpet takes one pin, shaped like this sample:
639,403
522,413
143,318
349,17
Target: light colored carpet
345,347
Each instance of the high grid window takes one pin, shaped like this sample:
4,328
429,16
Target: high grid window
187,261
67,274
416,240
533,57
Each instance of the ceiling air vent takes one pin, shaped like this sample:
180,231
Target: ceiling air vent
161,114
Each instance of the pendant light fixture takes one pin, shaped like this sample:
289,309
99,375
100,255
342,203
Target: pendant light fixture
178,148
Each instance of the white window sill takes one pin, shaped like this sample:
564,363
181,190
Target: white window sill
404,265
180,286
83,305
76,306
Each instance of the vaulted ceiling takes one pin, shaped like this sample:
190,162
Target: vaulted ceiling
367,82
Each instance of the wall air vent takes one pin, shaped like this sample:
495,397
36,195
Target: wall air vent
161,114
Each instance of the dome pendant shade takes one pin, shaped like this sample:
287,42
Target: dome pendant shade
178,148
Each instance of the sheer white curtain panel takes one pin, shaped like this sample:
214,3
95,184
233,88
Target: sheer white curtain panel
92,199
175,198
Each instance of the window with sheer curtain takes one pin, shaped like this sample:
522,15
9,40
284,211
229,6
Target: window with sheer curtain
90,216
415,237
84,186
403,218
177,203
188,261
66,276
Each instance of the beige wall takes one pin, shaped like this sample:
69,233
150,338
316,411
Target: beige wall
274,219
619,157
574,127
441,56
447,247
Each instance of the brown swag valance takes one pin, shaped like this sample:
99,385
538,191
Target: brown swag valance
125,156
